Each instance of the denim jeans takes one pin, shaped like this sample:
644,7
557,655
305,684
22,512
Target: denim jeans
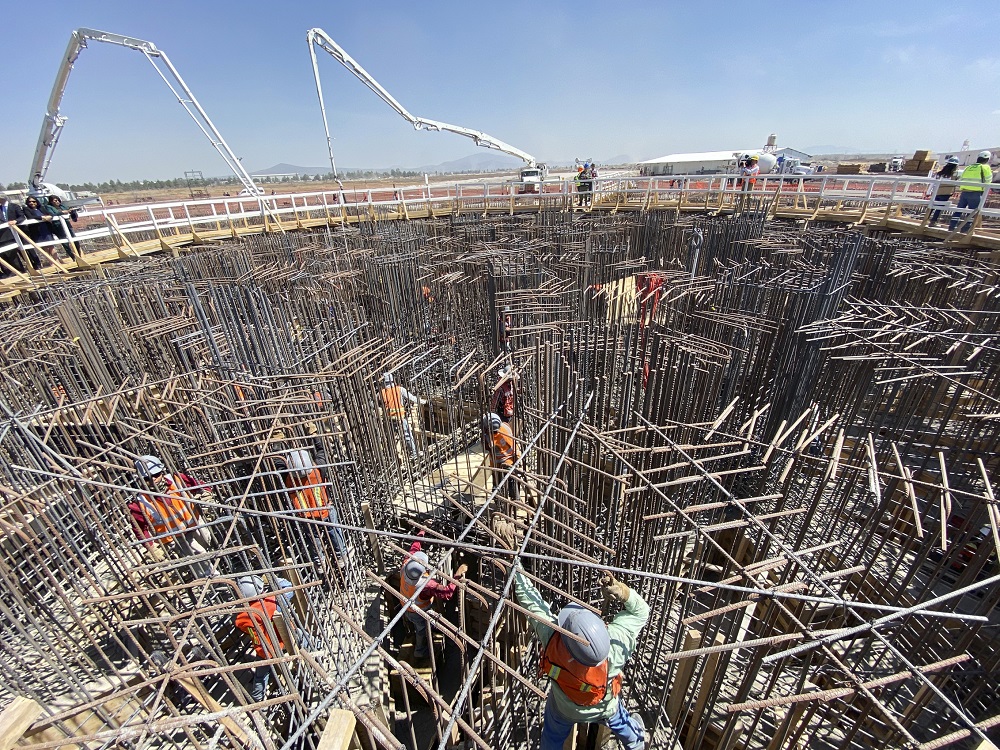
419,624
556,728
336,535
968,199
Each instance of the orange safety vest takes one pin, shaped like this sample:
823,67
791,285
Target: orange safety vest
504,450
406,588
585,686
393,400
305,497
170,513
251,622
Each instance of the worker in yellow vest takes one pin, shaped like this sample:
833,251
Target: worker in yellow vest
397,400
171,513
974,179
586,677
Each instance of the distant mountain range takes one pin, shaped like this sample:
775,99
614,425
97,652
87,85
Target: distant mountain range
482,161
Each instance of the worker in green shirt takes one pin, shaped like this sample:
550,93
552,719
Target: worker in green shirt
586,678
975,178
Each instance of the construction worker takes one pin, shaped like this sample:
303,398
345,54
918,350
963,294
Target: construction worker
749,172
499,446
415,575
396,400
578,179
307,484
504,395
587,182
254,621
174,518
586,678
975,178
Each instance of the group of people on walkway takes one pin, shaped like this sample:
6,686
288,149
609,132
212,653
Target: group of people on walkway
585,176
42,220
974,178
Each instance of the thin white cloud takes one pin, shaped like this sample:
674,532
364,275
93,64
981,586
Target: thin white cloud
986,68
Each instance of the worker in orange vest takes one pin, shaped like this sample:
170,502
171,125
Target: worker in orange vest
396,401
306,484
171,513
256,621
414,576
586,677
500,447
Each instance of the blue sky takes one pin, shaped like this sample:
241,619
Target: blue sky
558,79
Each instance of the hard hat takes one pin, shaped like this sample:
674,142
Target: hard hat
250,586
579,168
952,160
985,155
492,422
387,378
586,164
148,467
300,462
504,371
753,157
415,567
586,624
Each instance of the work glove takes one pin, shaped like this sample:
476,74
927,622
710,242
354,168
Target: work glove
311,429
614,590
462,570
506,533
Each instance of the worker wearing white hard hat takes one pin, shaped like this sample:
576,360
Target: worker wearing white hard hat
417,583
586,678
169,508
975,178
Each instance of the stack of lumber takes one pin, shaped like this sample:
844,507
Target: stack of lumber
849,169
920,165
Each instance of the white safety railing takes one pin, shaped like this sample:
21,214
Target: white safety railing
130,229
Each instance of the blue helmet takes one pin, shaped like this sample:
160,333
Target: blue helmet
586,624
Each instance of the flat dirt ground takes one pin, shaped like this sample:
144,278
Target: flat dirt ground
303,186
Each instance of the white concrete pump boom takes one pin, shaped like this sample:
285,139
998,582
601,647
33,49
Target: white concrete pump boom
54,121
319,38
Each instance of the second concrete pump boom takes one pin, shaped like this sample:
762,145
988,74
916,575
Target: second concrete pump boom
54,121
319,38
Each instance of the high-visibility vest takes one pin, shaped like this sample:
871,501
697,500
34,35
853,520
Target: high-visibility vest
584,685
393,400
168,513
407,589
252,623
504,449
305,497
980,173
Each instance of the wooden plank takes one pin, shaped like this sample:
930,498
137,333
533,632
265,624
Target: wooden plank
19,714
339,730
197,691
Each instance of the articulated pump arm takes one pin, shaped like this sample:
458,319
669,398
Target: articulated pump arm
319,38
53,123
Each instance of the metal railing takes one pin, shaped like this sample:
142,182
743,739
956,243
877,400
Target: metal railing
133,230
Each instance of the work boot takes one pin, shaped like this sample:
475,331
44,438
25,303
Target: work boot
638,721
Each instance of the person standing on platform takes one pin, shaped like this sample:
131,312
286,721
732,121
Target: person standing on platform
975,178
